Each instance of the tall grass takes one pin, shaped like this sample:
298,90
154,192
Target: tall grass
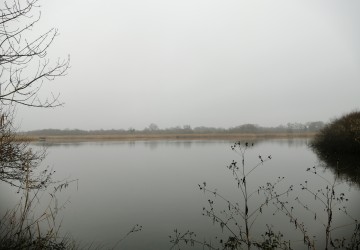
24,227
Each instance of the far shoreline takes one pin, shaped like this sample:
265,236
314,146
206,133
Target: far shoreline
164,136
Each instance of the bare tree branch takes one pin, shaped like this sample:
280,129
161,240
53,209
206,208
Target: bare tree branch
24,69
18,56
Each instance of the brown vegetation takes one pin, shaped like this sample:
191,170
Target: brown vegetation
162,136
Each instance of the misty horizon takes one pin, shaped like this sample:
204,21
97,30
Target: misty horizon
202,63
313,126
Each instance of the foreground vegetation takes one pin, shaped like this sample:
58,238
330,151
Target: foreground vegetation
237,217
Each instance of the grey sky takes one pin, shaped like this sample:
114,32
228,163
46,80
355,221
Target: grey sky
200,62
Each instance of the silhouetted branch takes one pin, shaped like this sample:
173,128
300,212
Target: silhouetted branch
24,67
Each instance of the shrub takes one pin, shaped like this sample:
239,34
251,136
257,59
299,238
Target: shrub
340,137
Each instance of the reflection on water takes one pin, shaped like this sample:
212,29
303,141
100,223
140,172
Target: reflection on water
155,184
152,144
346,166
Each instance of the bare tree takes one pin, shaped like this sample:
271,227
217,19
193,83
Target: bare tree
153,127
24,68
23,63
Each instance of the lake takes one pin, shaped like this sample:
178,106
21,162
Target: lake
155,184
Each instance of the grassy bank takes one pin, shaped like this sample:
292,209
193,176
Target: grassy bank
164,136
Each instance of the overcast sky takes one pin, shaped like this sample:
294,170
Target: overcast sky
200,62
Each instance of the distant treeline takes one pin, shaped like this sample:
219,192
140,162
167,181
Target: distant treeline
186,129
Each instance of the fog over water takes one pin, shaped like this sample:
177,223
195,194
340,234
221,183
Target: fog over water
210,63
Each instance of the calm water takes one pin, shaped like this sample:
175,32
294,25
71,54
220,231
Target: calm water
155,184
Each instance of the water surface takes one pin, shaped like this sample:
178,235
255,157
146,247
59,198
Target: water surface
155,184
